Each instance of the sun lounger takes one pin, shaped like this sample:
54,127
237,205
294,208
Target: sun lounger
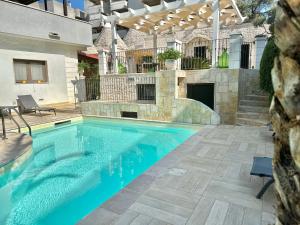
26,103
262,167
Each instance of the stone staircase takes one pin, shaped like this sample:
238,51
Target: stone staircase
253,110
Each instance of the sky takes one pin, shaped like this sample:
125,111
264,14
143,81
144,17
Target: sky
77,3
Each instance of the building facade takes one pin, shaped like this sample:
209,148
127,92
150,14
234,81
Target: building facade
39,52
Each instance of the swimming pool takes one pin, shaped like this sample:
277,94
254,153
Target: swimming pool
75,168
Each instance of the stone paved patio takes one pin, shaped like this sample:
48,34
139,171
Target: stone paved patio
205,181
64,111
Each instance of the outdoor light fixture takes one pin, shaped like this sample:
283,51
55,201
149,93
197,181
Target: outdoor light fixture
156,27
190,18
182,22
137,26
202,11
170,16
162,22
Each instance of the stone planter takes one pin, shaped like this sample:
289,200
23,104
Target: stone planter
171,64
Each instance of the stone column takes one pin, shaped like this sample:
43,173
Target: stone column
81,90
177,45
102,61
114,47
260,42
216,30
236,41
154,45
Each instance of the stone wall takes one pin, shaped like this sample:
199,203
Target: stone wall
123,87
248,82
230,85
226,85
168,106
191,111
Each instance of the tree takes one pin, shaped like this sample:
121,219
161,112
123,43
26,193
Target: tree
266,64
256,11
285,111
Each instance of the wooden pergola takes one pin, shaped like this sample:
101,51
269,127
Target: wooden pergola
179,15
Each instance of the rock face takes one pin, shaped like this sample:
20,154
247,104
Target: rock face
285,110
253,110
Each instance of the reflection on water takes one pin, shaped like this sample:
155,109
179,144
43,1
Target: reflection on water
75,168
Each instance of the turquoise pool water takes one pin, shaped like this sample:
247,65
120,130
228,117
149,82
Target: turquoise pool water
75,168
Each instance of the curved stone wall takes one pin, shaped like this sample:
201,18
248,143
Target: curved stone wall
192,111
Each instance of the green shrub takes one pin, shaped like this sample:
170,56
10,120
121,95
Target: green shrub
121,68
191,63
83,66
170,53
266,64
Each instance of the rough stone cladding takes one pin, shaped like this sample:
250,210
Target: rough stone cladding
137,40
104,40
226,87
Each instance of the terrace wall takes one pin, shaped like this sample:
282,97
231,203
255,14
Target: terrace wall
168,106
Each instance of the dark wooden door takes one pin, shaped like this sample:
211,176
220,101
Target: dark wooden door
245,56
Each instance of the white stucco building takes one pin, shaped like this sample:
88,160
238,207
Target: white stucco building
38,52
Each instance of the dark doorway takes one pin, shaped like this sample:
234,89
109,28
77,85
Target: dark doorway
203,93
245,56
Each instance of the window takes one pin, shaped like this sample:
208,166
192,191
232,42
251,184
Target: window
200,52
30,71
146,92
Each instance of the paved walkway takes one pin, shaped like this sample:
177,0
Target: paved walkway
205,181
63,111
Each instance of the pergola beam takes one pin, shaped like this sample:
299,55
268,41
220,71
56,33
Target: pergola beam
179,10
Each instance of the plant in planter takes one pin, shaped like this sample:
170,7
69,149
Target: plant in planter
121,68
169,57
83,66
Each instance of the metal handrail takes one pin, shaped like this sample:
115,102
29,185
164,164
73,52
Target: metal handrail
6,110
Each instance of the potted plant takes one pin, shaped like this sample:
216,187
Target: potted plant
83,66
121,68
169,57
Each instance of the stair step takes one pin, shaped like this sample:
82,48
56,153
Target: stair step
253,115
251,122
254,103
256,97
257,109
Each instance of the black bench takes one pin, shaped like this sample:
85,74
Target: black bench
262,167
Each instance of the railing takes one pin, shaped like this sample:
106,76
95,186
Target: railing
198,54
6,111
195,55
122,88
136,61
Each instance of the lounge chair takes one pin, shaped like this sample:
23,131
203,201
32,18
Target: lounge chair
262,167
26,103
